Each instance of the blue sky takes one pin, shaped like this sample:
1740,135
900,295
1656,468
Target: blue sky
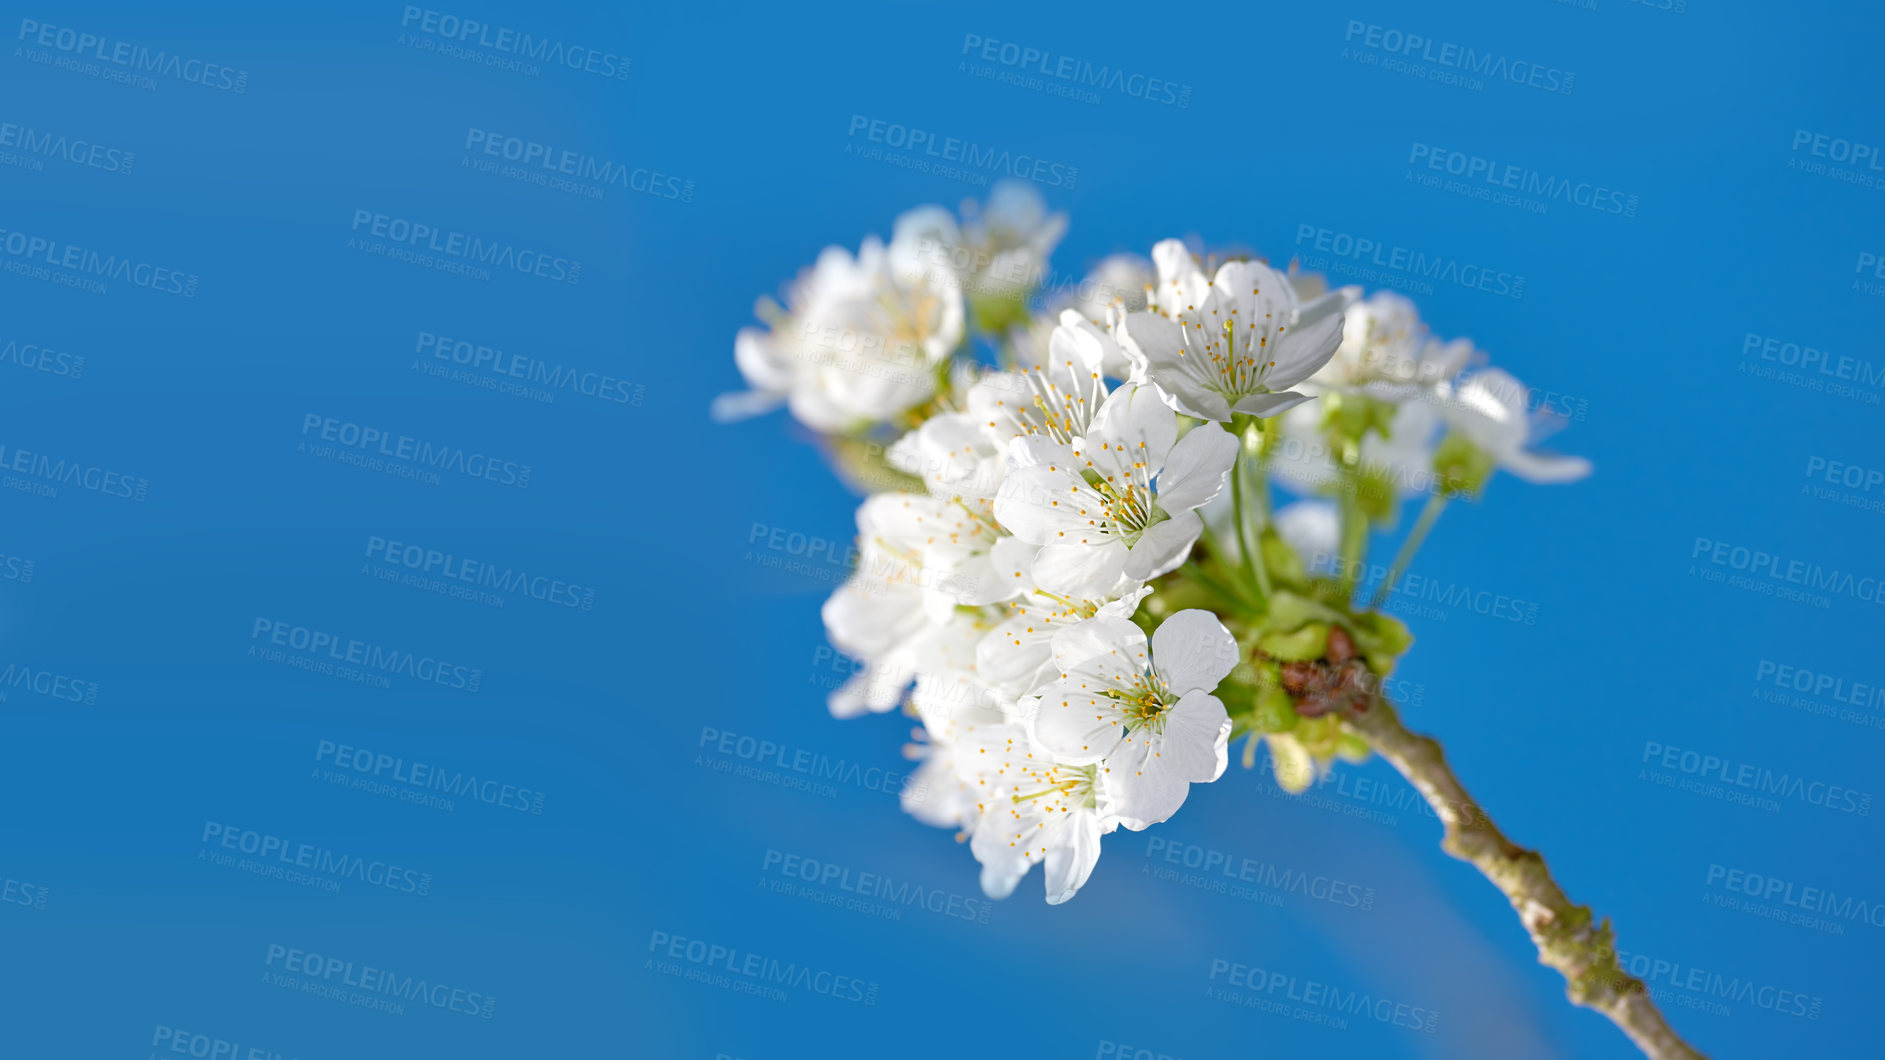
197,845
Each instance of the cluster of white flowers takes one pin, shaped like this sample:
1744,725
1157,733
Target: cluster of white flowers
1031,592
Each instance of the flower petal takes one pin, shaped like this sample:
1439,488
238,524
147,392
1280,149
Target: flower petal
1545,468
1304,349
1263,406
1077,727
1102,646
1165,547
1193,651
1294,766
1041,503
1070,859
1151,773
1080,570
1195,471
1131,436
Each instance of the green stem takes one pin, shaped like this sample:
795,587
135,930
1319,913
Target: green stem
1251,440
1251,570
1233,592
1436,503
1354,532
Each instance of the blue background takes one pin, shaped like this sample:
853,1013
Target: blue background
695,627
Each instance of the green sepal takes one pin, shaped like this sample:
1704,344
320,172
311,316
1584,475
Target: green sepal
1305,644
1461,466
1282,561
1275,711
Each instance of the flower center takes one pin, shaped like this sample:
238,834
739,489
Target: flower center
1063,787
1240,356
1143,702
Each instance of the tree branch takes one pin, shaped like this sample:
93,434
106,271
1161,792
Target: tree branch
1567,938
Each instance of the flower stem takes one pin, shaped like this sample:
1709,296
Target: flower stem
1436,503
1354,534
1233,592
1568,938
1251,569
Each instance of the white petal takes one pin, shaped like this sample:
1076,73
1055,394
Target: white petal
1489,408
876,688
1263,406
1070,859
1304,350
1077,348
1076,726
1042,504
1011,559
1545,468
1193,651
1150,774
1080,570
1312,528
1295,768
1116,644
999,880
1131,435
935,795
1195,471
743,404
1165,547
1161,340
1016,655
